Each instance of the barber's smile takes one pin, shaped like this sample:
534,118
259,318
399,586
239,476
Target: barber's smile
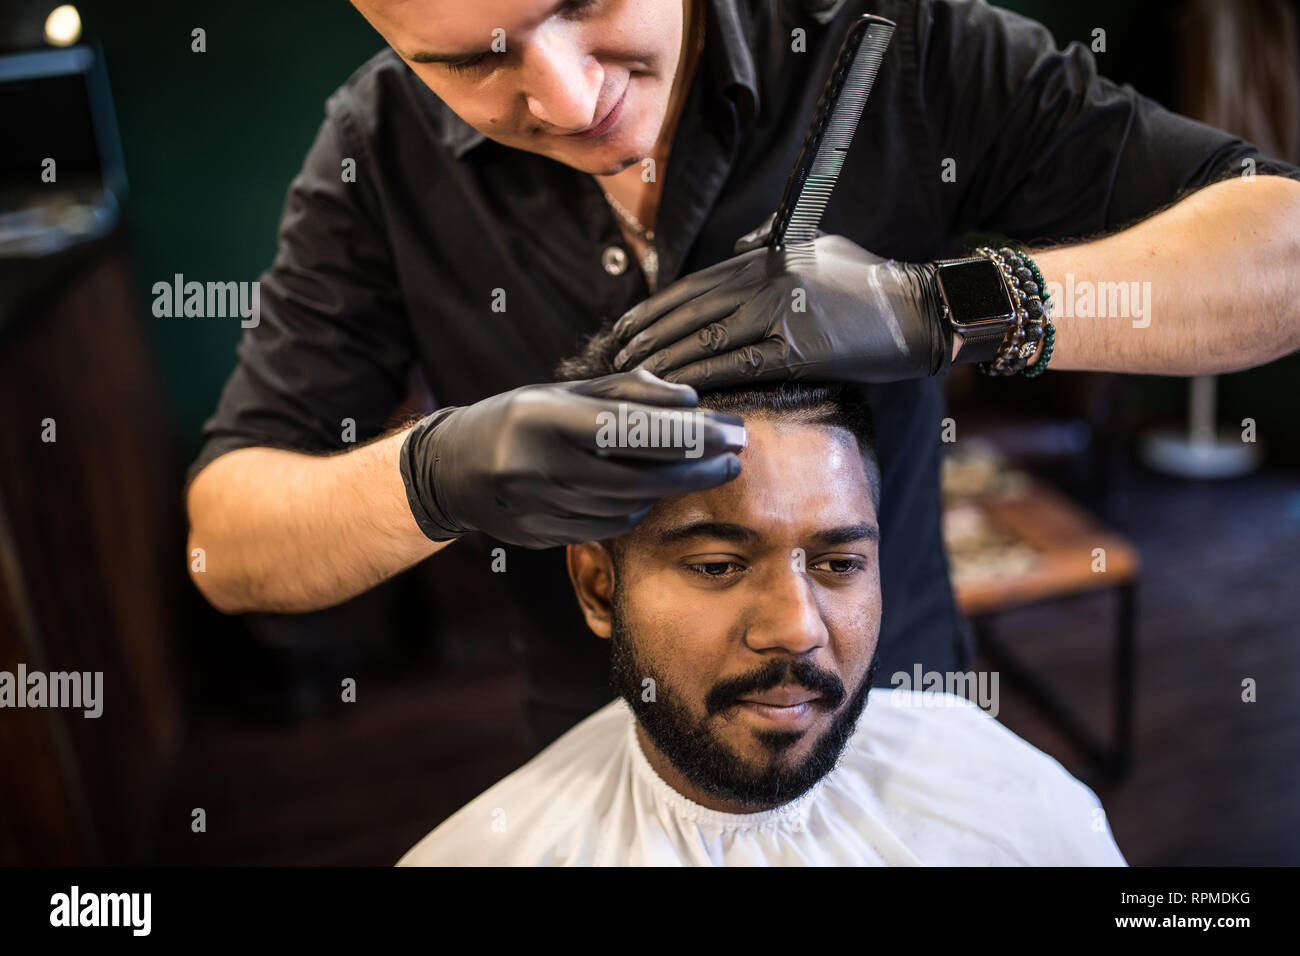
785,706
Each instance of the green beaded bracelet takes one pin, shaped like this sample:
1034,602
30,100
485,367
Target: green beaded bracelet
1011,359
1039,367
1049,331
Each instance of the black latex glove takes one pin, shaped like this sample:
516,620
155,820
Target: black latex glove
526,467
864,319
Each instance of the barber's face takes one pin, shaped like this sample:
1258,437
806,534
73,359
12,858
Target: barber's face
759,656
566,65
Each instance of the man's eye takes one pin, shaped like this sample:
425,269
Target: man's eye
844,566
467,65
712,569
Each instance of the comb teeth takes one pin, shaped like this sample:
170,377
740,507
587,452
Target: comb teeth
808,191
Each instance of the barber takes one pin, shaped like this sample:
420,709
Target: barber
473,210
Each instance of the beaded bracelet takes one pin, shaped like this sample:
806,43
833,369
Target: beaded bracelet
1003,362
1032,305
1026,330
1049,329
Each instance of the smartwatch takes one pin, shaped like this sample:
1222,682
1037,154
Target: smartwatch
976,304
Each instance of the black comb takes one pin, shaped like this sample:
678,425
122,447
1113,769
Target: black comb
834,121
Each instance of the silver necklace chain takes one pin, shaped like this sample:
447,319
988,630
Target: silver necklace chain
631,220
650,262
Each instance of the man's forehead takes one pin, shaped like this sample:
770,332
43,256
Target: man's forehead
796,480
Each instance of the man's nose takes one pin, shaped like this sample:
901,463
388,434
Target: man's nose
786,615
562,83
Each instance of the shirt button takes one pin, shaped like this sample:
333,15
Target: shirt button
614,260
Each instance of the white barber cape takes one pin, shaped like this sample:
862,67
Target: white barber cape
927,779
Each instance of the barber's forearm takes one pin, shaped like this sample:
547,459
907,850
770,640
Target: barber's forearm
288,532
1223,268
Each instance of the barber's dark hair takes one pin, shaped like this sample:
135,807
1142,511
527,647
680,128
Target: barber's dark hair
839,404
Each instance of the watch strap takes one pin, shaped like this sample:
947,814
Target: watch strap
982,345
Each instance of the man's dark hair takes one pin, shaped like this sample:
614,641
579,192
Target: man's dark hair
813,403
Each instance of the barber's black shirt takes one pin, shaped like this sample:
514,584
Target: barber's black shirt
399,268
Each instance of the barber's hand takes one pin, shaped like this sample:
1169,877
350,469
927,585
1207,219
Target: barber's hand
829,310
528,467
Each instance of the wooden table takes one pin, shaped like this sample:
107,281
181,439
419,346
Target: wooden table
1064,540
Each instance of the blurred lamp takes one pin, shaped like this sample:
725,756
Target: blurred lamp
63,26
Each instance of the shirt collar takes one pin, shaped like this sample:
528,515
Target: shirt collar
727,48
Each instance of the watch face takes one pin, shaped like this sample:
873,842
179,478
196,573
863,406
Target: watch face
975,293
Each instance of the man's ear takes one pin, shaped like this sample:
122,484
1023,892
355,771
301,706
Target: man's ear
591,569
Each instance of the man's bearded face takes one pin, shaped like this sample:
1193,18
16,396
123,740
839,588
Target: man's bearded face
744,619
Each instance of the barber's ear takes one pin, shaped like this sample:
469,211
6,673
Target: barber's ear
591,569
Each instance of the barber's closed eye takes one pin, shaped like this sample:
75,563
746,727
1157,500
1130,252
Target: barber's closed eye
468,65
578,6
474,63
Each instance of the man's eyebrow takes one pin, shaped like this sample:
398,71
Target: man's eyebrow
739,534
723,530
847,534
423,56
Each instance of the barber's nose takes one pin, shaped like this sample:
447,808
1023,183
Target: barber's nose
563,83
787,615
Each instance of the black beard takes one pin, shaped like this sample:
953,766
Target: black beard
706,761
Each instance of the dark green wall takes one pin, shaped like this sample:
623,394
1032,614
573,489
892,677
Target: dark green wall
212,140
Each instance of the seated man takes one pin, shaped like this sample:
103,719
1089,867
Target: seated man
743,622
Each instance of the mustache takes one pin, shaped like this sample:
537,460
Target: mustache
777,673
